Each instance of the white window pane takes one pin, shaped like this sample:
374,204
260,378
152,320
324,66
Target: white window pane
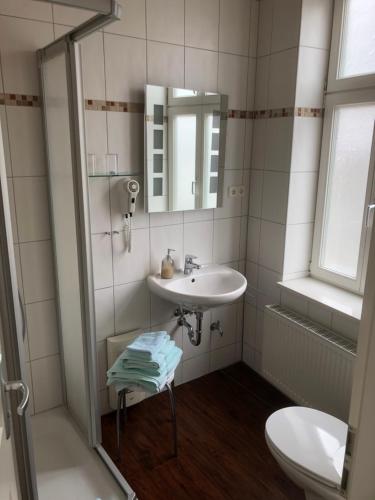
184,160
358,39
346,188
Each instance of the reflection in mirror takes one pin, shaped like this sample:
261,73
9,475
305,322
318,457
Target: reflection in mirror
185,134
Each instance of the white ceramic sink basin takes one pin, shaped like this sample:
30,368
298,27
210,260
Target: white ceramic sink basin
210,286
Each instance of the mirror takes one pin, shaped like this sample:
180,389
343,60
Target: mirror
185,133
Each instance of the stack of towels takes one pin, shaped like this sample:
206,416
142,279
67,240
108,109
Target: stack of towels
148,363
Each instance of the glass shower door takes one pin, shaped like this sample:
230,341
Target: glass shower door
65,151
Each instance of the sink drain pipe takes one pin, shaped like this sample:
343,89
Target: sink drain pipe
195,336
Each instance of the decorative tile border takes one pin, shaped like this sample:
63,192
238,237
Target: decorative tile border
138,107
20,100
119,106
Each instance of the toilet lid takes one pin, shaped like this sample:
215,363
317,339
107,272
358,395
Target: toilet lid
313,440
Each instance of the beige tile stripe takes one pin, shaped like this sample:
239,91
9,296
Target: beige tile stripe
138,107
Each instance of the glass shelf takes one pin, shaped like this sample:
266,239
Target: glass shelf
137,174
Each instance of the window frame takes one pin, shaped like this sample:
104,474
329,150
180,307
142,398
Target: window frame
353,90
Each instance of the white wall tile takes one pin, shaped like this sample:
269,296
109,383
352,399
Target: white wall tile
172,328
162,311
235,144
162,238
47,383
233,79
100,216
102,260
198,240
248,143
195,367
26,8
125,68
227,315
259,144
220,358
165,64
243,238
296,303
307,135
120,204
134,265
253,236
125,138
92,60
133,20
282,79
96,135
166,218
70,15
349,327
198,215
42,329
19,41
271,250
201,69
31,196
132,306
316,23
252,274
165,20
231,205
286,24
265,27
298,246
26,141
250,320
302,197
275,196
234,26
37,271
253,38
202,24
251,80
320,314
262,82
279,144
104,313
312,73
256,186
267,283
226,240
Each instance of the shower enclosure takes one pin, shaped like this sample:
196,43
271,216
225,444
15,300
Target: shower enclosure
63,112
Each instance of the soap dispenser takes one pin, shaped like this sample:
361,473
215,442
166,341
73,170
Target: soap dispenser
167,265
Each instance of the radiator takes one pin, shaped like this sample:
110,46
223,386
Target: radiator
307,362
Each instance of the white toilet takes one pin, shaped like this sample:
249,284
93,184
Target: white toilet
309,446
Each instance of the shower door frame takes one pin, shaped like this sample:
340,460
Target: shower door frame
69,45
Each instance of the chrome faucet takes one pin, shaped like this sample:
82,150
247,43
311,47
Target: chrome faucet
190,264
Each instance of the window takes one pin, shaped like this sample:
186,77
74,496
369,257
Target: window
346,192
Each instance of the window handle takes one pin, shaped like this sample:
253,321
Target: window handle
370,214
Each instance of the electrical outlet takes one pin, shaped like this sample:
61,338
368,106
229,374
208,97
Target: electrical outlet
232,192
236,191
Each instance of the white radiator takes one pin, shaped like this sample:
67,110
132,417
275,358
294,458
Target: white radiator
309,363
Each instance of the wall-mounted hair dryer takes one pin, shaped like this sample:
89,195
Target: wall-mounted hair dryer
131,187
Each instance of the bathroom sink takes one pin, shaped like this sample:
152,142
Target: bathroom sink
211,286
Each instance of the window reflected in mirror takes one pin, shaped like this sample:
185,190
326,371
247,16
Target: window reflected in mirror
185,143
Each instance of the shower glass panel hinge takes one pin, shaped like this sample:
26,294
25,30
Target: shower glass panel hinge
370,214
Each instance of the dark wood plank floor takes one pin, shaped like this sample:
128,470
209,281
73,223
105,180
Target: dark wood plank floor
222,451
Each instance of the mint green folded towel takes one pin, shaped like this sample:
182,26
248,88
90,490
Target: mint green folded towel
148,344
157,363
128,377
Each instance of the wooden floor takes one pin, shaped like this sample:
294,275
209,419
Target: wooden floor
222,451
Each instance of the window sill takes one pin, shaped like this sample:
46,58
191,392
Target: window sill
330,296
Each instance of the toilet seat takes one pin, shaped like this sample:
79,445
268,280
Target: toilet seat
309,440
